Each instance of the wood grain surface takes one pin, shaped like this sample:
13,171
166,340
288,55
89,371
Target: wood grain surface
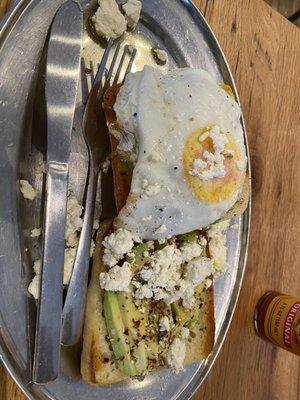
263,50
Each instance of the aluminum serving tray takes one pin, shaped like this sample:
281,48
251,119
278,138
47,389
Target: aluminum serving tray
177,27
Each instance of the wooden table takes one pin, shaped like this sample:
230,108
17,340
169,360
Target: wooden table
263,50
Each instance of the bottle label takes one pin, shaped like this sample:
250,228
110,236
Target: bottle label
282,323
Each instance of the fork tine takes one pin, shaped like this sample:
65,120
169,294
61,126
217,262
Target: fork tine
120,65
112,66
129,66
103,63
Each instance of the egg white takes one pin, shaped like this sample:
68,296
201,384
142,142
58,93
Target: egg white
158,113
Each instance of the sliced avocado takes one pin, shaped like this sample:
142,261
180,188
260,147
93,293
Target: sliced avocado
135,328
188,318
159,246
139,259
138,251
189,237
115,327
126,166
159,341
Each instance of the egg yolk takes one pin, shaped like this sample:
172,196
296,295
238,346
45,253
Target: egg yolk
216,189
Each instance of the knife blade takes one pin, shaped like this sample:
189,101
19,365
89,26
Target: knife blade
62,76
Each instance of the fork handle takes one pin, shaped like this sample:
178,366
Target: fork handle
73,311
48,328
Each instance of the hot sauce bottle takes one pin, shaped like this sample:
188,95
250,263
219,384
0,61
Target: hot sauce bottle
277,319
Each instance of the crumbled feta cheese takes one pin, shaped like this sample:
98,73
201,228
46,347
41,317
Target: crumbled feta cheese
185,333
198,269
217,245
74,221
213,164
34,286
37,266
160,55
164,324
161,229
108,20
208,282
35,232
199,164
176,354
204,136
105,165
190,251
132,10
117,244
117,279
228,153
27,190
216,170
219,139
96,224
73,228
203,241
164,279
143,292
130,49
70,254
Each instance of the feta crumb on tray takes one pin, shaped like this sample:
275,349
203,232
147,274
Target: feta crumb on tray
160,55
73,229
109,22
27,190
36,232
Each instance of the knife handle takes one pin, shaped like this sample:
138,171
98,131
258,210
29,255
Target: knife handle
48,329
74,307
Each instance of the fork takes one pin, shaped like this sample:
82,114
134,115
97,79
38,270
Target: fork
97,142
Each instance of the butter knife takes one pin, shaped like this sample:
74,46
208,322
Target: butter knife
62,76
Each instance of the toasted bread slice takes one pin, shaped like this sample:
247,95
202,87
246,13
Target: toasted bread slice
97,367
94,366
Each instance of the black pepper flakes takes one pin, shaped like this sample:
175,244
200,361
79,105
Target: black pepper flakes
136,322
135,114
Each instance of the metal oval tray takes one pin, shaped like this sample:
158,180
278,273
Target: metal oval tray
176,26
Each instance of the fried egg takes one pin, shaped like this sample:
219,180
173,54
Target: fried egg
183,132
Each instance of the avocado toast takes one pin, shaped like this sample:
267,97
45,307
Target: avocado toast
123,337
